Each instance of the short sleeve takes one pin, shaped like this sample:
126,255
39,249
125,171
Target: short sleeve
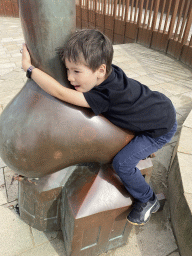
97,100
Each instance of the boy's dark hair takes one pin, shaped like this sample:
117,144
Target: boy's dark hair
91,46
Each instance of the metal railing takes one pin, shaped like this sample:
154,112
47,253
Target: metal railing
164,25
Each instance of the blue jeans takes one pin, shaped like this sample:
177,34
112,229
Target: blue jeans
126,160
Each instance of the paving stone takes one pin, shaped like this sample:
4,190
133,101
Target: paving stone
146,80
160,76
15,235
5,40
188,121
7,65
174,254
130,73
52,248
159,89
183,110
174,89
40,237
3,196
181,101
180,120
11,184
189,95
143,240
11,84
4,71
15,55
188,197
117,53
2,181
19,39
141,71
5,98
131,64
121,58
4,60
1,110
15,75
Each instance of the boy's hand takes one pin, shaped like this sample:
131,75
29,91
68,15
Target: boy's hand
26,59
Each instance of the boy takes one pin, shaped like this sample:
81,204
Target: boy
105,89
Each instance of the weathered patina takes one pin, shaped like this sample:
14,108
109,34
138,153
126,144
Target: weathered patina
40,134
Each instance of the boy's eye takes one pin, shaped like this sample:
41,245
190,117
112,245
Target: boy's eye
77,71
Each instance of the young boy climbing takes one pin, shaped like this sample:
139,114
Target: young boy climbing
104,87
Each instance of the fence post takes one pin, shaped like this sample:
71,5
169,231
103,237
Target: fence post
186,53
188,26
79,14
174,46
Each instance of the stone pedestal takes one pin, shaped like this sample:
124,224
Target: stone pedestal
94,209
39,202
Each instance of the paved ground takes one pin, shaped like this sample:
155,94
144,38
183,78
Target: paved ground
152,68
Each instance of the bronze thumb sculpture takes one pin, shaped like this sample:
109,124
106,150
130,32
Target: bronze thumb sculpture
40,134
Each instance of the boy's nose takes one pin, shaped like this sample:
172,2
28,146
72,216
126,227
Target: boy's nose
70,77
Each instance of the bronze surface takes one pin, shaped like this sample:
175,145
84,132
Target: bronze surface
94,209
40,134
91,189
39,200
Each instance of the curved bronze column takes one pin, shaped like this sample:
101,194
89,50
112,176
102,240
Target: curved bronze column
40,134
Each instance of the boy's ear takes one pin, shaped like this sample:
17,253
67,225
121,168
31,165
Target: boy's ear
102,71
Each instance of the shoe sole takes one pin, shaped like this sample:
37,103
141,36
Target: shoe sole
154,210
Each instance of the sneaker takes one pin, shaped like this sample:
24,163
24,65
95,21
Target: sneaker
141,212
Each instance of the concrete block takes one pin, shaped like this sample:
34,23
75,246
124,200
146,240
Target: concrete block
183,227
175,185
181,216
185,145
185,163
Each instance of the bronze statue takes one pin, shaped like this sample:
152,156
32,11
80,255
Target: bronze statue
40,134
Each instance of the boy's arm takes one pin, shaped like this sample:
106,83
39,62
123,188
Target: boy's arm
51,86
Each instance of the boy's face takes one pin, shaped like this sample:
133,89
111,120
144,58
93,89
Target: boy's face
83,78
